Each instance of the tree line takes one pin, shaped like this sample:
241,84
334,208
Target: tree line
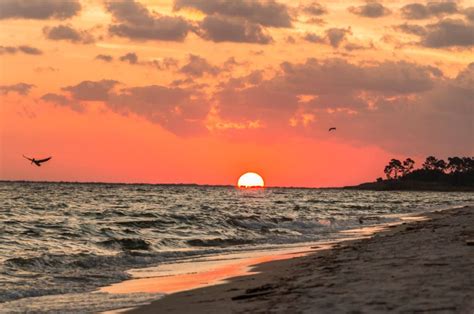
431,169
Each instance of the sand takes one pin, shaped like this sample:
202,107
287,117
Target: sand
417,267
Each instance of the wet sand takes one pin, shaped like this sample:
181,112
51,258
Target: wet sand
417,267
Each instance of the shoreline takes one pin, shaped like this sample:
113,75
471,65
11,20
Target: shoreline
205,271
415,266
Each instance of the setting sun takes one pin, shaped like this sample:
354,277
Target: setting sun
250,180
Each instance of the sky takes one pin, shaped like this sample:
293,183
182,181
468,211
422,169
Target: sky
202,91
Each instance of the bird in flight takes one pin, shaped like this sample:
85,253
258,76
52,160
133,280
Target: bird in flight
332,129
37,162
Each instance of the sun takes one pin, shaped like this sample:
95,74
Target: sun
250,180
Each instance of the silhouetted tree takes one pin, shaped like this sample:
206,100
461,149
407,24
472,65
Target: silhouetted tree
408,165
468,164
455,164
457,172
432,163
393,169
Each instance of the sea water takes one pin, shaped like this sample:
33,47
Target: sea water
68,239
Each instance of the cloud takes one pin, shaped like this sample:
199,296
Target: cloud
337,35
356,46
105,58
442,34
411,29
19,88
68,33
399,106
61,100
370,9
335,82
313,38
130,57
417,11
39,9
267,13
23,48
469,13
134,21
221,28
314,8
316,21
133,59
333,37
91,90
198,66
160,64
163,63
448,33
178,110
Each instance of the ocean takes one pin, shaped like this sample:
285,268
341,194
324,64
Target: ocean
72,238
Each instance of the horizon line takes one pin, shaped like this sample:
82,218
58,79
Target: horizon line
169,184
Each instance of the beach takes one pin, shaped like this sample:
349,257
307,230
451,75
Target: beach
423,266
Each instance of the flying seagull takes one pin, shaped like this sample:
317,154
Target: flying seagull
37,162
332,129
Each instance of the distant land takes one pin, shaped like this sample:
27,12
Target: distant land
457,174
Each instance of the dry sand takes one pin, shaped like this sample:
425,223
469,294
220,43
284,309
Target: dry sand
418,267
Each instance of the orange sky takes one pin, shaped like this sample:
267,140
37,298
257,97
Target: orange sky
201,91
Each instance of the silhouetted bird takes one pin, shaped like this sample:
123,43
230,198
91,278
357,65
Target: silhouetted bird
37,162
332,129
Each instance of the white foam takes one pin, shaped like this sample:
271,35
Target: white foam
78,302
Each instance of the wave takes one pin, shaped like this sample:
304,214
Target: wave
76,237
218,242
127,244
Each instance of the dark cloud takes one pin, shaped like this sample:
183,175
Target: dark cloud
356,46
370,9
314,8
105,58
130,57
8,49
266,13
399,106
163,64
30,50
67,32
314,38
335,75
332,81
316,21
336,35
469,13
221,28
417,11
134,21
39,9
133,59
411,29
23,48
231,63
198,66
179,110
333,37
61,100
91,90
19,88
448,33
176,109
